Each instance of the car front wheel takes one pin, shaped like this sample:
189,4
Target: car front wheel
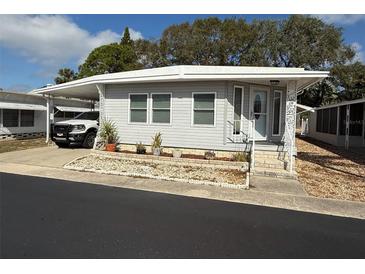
89,140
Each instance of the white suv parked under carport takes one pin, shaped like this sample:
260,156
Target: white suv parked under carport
81,130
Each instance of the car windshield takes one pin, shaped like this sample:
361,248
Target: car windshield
91,115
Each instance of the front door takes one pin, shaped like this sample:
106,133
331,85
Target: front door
258,112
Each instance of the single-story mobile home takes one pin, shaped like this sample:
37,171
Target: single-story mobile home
24,115
339,124
217,108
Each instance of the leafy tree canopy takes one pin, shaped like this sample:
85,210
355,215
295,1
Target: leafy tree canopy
65,75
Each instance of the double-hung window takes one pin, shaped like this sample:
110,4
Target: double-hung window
161,108
27,118
10,117
138,108
204,109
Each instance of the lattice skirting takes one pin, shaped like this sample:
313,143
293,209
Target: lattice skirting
16,136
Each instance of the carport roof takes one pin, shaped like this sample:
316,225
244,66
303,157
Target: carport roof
86,88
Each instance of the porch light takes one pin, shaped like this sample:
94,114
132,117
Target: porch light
274,82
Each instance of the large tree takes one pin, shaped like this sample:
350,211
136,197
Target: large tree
65,75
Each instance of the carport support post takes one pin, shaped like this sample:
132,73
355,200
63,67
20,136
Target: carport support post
101,91
48,123
347,132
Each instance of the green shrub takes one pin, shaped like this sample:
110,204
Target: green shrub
156,141
140,148
108,132
240,157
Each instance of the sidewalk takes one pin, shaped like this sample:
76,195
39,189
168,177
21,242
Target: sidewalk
264,196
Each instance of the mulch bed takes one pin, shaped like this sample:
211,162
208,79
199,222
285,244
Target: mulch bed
13,145
330,172
184,155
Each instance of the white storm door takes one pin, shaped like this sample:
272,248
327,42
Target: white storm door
258,112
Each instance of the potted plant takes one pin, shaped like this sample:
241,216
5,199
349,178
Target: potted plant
109,135
140,148
176,153
156,144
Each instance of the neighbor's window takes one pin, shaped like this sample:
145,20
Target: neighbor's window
27,118
138,108
10,117
161,108
277,112
203,108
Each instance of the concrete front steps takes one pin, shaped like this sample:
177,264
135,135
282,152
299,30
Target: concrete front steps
272,164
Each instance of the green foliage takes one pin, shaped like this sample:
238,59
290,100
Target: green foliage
65,75
240,157
297,41
156,141
109,132
140,148
109,59
126,39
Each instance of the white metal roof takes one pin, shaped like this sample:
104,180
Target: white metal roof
72,109
85,88
361,100
304,108
10,105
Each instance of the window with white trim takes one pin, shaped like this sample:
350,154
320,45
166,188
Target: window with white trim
10,117
203,108
27,118
161,108
276,112
138,108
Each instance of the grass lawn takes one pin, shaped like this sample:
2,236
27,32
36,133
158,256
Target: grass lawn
331,172
12,145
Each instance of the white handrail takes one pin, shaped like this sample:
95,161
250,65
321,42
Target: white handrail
252,167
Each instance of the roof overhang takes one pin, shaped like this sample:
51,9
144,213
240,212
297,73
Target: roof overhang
86,88
9,105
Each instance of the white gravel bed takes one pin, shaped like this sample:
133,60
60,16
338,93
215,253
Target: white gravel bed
167,171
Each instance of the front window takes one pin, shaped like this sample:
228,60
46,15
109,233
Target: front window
203,108
138,108
27,118
161,108
92,115
10,117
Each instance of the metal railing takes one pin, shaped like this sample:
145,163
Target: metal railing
252,166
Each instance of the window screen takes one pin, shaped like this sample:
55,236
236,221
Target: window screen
319,120
138,108
333,121
276,122
356,119
326,120
10,117
161,108
203,109
27,118
342,120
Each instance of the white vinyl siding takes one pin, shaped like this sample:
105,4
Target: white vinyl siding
204,108
138,108
181,132
161,108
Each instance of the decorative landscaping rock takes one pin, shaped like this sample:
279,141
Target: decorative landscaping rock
167,170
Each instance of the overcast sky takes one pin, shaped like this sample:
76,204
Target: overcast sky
34,47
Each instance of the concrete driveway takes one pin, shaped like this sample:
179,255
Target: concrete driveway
51,156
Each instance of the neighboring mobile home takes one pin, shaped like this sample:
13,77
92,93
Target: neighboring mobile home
24,115
217,108
339,124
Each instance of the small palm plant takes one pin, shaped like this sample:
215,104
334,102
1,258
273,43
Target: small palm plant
109,134
156,144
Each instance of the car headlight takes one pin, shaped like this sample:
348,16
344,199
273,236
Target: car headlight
78,128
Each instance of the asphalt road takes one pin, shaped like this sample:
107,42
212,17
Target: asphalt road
47,218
